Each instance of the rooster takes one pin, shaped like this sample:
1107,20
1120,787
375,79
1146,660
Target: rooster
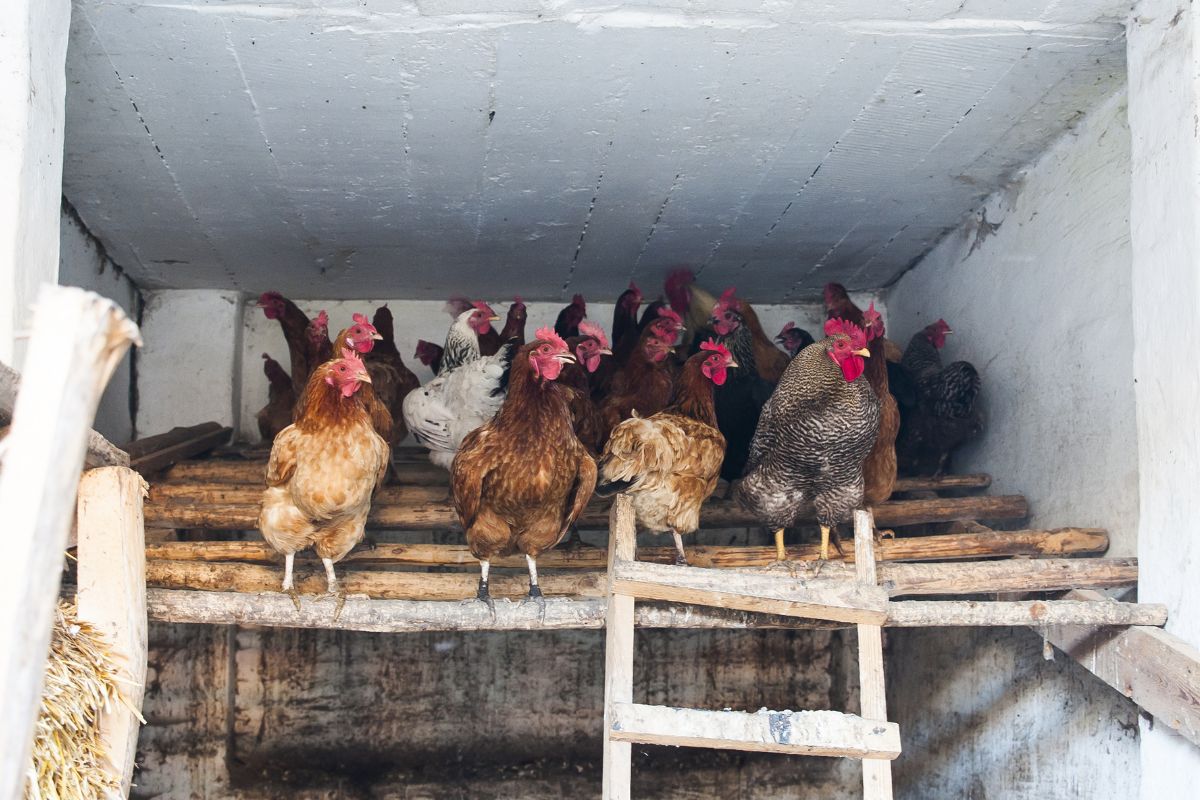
306,348
644,384
429,354
793,339
281,398
879,469
465,334
668,462
522,479
945,413
588,348
323,470
567,324
812,437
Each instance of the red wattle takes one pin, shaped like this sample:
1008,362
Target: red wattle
852,367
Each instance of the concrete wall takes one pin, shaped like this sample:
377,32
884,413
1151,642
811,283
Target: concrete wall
83,262
1043,308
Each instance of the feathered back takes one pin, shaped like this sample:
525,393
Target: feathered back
462,343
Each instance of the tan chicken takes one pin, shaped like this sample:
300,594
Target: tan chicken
669,463
323,470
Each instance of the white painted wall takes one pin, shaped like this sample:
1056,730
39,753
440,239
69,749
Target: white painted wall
85,264
1164,92
33,49
426,320
188,369
1043,308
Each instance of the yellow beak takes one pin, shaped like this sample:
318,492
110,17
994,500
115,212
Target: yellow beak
493,318
732,363
377,336
565,357
605,352
865,353
363,376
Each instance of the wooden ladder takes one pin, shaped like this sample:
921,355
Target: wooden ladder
869,737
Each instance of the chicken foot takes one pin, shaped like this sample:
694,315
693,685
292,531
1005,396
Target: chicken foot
781,553
535,592
289,586
333,589
680,555
481,594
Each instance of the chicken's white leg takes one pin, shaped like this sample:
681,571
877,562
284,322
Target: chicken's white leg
535,592
482,593
332,587
680,556
289,587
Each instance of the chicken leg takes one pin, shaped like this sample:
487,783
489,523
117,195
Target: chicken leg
535,592
680,555
289,587
482,593
332,588
780,552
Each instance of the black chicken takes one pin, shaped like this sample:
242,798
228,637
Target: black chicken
940,411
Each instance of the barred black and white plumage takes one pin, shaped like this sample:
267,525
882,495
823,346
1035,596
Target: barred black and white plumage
811,440
462,343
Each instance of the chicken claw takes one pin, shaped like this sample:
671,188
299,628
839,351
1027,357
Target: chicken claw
680,555
535,597
295,595
340,596
483,596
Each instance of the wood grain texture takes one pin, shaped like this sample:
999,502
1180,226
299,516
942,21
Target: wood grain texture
618,652
877,775
954,613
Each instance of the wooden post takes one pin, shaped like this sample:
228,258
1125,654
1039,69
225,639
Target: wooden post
78,338
877,774
111,595
618,652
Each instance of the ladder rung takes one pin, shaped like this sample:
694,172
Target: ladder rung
834,599
812,733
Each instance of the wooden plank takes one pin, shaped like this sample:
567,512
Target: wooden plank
78,338
618,652
140,448
111,595
250,473
100,451
1155,669
1058,542
408,616
819,598
438,515
898,579
955,613
800,733
877,775
977,480
157,460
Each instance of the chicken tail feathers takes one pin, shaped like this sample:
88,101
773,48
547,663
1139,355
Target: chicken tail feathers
610,488
507,351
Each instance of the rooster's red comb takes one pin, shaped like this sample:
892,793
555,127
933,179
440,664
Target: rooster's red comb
484,307
547,334
352,357
858,339
589,328
728,300
716,347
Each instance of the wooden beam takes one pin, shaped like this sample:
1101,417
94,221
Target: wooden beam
957,613
977,480
111,595
618,653
100,451
429,514
1155,669
819,598
1058,542
798,733
877,775
153,454
78,338
407,616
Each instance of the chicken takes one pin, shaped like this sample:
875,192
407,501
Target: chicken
645,383
323,471
391,378
281,398
441,413
879,469
691,303
838,305
361,338
429,354
625,318
812,437
521,480
668,462
946,412
514,324
793,339
463,338
588,348
739,400
567,324
305,348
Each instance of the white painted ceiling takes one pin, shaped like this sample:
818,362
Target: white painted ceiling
419,148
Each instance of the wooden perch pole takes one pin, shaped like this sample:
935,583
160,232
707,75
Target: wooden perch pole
77,340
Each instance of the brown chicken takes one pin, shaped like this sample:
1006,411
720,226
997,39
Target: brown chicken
588,347
567,323
323,471
669,463
391,379
645,383
514,324
879,468
522,479
281,399
308,342
361,338
429,354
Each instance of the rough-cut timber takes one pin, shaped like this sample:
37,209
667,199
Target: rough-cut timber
1058,542
820,598
800,733
428,514
954,613
877,775
1158,671
939,483
155,453
618,652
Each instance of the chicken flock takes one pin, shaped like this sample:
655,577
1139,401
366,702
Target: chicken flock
686,394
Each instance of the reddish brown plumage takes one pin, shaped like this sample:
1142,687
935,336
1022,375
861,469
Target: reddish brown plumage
770,360
281,399
585,415
643,384
519,481
307,341
391,379
377,408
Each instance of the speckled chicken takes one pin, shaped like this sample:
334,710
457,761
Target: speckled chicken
812,437
668,463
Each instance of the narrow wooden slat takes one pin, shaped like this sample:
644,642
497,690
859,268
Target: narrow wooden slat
818,598
1059,542
618,653
1158,671
931,484
156,460
958,613
152,444
438,515
801,733
877,775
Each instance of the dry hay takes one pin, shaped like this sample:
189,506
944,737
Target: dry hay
81,682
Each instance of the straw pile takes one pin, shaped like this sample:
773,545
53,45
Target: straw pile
81,681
